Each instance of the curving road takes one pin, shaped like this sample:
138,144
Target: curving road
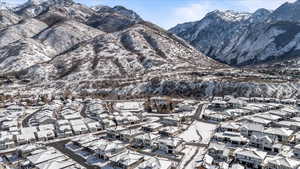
25,121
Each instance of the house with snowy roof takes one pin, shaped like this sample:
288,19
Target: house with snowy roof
133,120
250,158
230,126
269,116
81,141
256,120
44,156
94,126
59,163
218,104
5,125
297,138
297,151
265,143
171,120
27,149
45,116
288,101
236,103
234,138
171,145
127,160
281,134
114,133
216,150
291,109
296,119
237,166
79,127
249,129
216,117
46,127
75,116
6,140
64,131
283,163
237,112
62,122
106,150
15,108
101,149
155,163
145,140
169,131
283,114
45,135
46,132
293,125
152,127
128,135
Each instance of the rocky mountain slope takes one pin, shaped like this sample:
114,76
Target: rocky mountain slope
241,39
63,40
57,45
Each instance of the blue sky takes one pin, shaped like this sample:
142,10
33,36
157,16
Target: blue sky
168,13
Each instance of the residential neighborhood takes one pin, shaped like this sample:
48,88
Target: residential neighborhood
159,132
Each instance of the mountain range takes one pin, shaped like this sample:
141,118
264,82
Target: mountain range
49,46
243,39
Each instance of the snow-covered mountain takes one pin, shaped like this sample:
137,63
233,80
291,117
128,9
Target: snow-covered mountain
62,40
50,46
246,39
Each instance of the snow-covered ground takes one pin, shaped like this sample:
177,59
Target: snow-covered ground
197,160
189,152
193,157
199,132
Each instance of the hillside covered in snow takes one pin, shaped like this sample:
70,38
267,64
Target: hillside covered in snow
242,39
58,45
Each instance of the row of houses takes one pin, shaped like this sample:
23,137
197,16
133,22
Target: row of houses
164,139
251,158
113,153
98,112
62,129
271,100
37,156
225,114
268,139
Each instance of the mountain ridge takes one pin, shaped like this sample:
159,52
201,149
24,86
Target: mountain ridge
68,32
261,37
112,51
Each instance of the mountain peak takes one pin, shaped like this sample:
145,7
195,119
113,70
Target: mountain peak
260,15
117,9
262,11
52,2
127,12
229,15
33,8
287,12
